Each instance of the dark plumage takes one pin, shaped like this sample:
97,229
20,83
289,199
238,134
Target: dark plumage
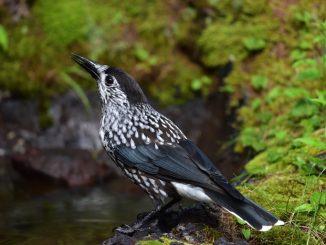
154,153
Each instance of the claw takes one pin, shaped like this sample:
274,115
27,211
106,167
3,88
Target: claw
126,229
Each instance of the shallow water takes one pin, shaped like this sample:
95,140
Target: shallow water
62,216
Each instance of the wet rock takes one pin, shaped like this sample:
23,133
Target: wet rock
69,151
185,224
72,125
223,241
120,239
62,165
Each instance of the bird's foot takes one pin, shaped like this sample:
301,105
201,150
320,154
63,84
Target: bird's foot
130,230
126,229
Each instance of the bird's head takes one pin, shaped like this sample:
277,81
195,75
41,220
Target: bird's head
116,87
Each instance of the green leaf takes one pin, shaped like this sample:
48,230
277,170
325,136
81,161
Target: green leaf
281,135
321,98
295,92
297,54
304,17
274,156
305,62
255,104
3,38
254,44
318,198
251,138
303,109
305,208
305,45
141,54
265,116
316,143
199,83
196,84
246,233
259,82
274,94
310,73
77,89
227,88
240,221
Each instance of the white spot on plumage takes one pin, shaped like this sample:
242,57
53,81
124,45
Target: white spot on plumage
163,193
135,176
162,182
147,140
152,182
132,144
160,138
143,136
124,129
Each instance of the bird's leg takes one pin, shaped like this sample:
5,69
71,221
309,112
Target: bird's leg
126,229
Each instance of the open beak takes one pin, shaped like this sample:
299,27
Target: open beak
89,65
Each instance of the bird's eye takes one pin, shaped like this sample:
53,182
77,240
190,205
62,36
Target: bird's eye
109,80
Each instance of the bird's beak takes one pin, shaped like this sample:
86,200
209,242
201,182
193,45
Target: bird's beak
89,65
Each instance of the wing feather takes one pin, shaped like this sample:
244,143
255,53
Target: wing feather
183,161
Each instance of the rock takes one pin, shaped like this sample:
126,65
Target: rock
120,239
185,224
223,241
71,167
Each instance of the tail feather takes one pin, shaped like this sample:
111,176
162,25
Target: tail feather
247,210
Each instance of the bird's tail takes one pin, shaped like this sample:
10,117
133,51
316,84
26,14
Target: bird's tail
250,212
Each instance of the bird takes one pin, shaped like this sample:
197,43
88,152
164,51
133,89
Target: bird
156,155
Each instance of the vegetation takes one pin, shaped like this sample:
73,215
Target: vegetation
277,82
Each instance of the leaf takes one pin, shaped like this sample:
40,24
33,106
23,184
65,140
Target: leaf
311,142
199,83
251,138
295,92
321,98
3,38
141,54
255,104
196,84
303,109
259,82
246,233
305,208
297,54
240,221
274,156
274,94
254,44
318,198
77,89
310,73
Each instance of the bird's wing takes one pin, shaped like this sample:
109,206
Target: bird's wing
183,162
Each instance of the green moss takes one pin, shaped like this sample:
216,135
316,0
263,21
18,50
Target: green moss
61,20
162,241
